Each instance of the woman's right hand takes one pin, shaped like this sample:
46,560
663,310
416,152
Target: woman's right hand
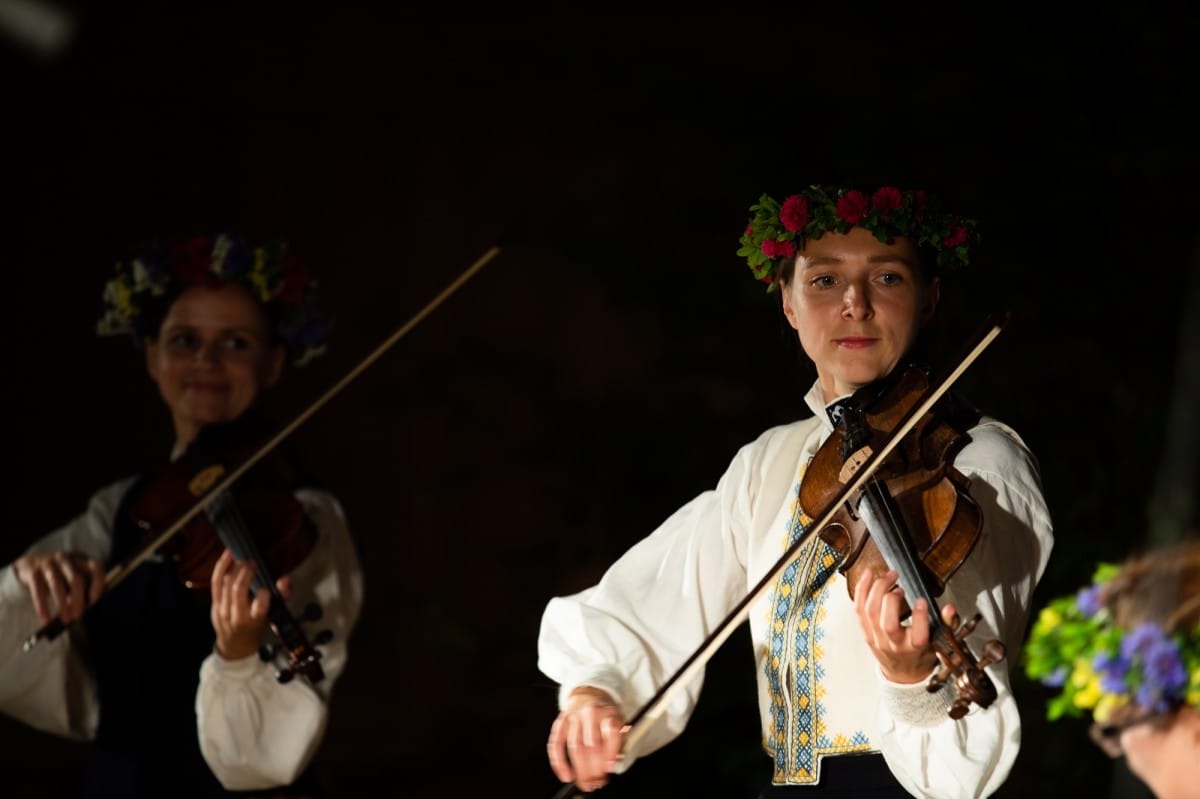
62,584
586,739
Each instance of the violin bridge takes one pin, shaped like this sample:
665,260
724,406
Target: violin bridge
852,464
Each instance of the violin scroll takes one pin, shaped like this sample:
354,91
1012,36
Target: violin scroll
970,680
302,657
260,521
914,514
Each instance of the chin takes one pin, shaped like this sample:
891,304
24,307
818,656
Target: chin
862,377
203,416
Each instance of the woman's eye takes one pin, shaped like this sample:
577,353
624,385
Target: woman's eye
822,281
237,343
182,341
891,278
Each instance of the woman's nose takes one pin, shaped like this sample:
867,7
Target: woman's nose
208,352
856,303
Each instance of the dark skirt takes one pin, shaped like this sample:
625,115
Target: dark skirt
846,776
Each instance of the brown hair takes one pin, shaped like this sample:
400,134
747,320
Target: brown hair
1160,586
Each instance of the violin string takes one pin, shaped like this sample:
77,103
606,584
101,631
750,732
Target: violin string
122,570
118,573
235,534
639,724
892,540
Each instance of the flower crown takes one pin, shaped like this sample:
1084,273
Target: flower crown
778,230
1075,645
284,287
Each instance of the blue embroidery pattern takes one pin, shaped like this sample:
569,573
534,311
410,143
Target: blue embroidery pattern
794,669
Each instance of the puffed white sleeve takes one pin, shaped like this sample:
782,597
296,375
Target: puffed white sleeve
931,754
257,732
50,686
655,606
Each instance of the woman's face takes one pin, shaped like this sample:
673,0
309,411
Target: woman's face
857,305
1166,759
212,358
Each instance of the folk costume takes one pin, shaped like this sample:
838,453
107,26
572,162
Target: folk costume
820,692
138,675
831,722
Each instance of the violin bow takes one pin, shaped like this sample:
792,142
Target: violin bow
643,719
121,570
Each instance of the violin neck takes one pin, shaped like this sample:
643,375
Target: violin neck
877,509
235,534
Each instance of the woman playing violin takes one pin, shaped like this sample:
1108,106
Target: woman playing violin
184,692
842,669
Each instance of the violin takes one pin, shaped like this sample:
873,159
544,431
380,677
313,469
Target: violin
259,520
914,514
208,479
869,521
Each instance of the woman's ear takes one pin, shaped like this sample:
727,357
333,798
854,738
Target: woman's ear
789,312
278,358
151,354
932,296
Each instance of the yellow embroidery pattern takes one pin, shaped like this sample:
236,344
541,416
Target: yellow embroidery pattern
797,734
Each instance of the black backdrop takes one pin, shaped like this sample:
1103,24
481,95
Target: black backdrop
606,365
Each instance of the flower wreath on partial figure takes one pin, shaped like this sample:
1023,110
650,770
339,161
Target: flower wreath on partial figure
778,230
160,271
1114,673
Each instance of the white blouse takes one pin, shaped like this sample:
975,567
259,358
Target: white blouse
820,690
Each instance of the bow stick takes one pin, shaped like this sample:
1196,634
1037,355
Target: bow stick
636,728
121,570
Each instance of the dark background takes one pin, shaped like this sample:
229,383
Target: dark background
606,365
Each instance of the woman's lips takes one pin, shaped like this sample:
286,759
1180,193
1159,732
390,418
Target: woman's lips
207,388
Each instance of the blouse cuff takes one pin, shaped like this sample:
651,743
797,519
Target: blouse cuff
10,587
606,680
914,704
240,669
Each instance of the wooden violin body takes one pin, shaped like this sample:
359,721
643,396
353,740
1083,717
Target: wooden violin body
914,515
265,500
840,485
207,488
944,522
259,520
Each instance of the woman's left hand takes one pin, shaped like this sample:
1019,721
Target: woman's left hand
902,648
240,616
